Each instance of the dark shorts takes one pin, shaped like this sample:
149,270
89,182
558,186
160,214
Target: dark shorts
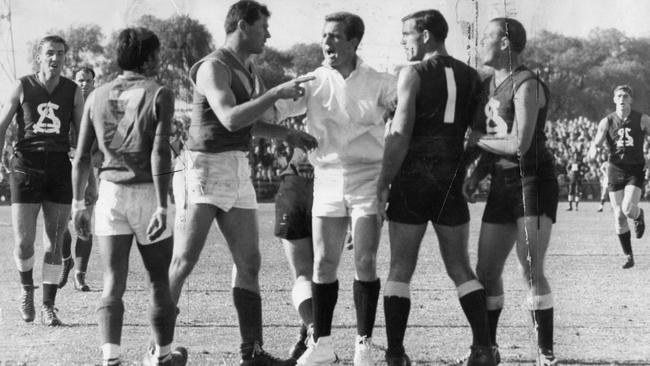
512,197
38,176
293,208
625,175
428,189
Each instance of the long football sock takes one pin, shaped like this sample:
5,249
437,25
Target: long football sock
66,251
110,314
51,274
542,312
626,242
25,270
397,306
471,295
82,251
366,296
494,307
302,300
249,311
325,296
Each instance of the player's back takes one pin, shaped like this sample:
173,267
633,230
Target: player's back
125,122
445,106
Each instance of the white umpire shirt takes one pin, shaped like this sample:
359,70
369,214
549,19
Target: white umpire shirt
344,115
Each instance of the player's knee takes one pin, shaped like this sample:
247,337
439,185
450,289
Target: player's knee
621,224
366,262
181,266
401,272
324,272
488,274
51,247
24,251
629,210
532,274
247,272
325,264
114,283
459,273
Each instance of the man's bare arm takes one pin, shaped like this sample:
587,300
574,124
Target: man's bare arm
598,140
7,114
213,80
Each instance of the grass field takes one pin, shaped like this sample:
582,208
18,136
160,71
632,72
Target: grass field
602,312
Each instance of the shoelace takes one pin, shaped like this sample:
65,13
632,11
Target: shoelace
461,360
28,299
258,351
50,312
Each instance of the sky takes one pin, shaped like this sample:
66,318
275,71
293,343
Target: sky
300,21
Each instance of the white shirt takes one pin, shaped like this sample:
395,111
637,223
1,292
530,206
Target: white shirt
344,115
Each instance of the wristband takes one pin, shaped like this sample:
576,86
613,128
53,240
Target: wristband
161,210
78,205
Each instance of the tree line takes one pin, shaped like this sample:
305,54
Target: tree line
580,72
184,41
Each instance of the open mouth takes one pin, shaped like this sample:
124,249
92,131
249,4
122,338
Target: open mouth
330,53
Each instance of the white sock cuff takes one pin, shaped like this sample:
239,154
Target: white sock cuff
621,228
468,287
495,302
162,351
300,292
24,265
541,302
51,273
110,350
399,289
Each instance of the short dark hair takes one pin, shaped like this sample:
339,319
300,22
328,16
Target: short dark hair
514,31
135,46
431,20
626,88
247,10
85,69
52,39
354,27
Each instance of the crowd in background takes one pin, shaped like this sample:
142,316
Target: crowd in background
569,140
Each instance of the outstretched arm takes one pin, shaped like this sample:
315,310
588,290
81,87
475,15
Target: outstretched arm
213,80
295,138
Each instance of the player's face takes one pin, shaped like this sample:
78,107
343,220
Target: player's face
491,44
622,99
85,81
258,33
412,41
338,50
51,58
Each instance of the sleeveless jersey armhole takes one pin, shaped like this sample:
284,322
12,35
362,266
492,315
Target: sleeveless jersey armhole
155,102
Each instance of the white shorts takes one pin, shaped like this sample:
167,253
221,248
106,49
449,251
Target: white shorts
124,209
346,191
219,179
